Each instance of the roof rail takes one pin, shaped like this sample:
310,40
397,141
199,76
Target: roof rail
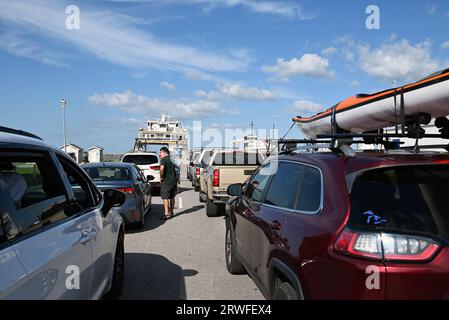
20,133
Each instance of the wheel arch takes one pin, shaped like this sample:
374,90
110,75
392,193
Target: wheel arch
277,268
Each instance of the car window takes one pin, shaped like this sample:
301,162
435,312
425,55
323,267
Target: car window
237,158
137,173
141,159
32,194
309,199
108,173
255,188
284,185
405,199
80,185
206,157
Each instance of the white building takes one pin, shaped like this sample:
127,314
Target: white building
76,152
95,154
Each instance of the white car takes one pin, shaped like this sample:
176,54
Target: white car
59,238
150,165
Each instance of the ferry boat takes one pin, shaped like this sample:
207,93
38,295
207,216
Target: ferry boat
165,131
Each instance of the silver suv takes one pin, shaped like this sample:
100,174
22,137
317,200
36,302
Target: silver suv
59,238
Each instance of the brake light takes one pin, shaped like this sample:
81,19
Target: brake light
155,167
197,172
126,190
385,246
216,178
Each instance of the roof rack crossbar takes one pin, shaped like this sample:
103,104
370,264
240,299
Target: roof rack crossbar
19,132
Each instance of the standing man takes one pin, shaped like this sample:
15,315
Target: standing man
168,183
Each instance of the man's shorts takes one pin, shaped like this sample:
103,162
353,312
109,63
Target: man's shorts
168,192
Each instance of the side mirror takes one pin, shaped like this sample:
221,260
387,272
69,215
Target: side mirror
150,178
235,190
112,198
192,164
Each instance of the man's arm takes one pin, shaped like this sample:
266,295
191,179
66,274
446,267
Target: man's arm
162,170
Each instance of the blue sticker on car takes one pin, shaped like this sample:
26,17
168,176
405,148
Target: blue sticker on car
373,218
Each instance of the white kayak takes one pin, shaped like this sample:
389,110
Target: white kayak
364,113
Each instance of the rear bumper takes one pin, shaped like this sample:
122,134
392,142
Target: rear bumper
220,198
131,210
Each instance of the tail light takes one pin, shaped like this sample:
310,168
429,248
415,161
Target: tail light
155,167
216,178
127,190
385,246
197,172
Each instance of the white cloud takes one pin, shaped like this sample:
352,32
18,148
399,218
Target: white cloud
394,60
308,65
289,9
111,37
445,45
329,51
15,44
431,9
228,91
168,86
354,84
305,108
401,60
148,106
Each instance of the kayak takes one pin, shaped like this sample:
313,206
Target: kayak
370,112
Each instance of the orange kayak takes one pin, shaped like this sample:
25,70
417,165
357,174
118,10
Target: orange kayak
368,112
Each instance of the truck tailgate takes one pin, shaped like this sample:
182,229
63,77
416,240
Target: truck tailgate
234,174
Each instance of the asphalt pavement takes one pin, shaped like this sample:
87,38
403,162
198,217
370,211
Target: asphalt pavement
182,258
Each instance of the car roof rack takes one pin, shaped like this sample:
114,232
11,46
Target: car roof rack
19,132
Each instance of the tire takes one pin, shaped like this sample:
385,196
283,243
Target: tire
211,209
284,291
141,223
197,188
232,263
118,274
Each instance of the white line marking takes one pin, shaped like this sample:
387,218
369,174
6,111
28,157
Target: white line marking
179,203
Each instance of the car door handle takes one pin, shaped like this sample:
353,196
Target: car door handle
275,225
86,236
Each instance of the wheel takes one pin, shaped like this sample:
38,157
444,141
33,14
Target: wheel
232,263
211,208
197,188
284,291
118,273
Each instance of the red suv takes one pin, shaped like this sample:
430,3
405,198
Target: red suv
374,225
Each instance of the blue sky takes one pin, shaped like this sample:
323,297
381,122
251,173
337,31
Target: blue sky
224,62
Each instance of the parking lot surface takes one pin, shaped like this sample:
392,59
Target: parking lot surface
182,258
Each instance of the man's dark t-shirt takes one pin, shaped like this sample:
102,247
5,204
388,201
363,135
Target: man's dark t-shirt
169,172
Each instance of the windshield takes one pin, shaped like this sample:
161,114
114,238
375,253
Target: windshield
141,159
406,199
108,173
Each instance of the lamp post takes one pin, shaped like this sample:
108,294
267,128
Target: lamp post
63,103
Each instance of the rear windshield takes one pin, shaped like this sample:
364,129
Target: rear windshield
195,156
406,199
108,173
206,157
140,159
238,158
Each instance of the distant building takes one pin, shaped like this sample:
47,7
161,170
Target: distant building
76,152
95,154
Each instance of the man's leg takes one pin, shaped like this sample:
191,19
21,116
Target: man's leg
166,207
172,205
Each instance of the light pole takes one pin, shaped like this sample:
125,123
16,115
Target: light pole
63,103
